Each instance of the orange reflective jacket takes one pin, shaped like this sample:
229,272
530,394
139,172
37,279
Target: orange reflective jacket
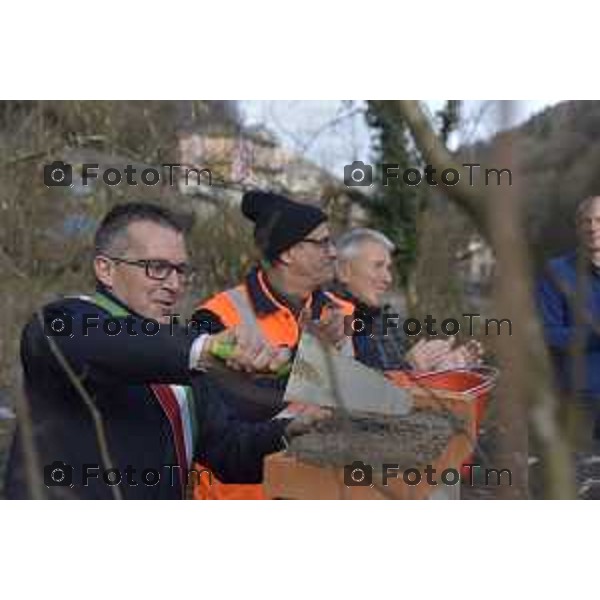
255,304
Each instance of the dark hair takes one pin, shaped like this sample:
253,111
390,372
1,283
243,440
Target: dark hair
116,221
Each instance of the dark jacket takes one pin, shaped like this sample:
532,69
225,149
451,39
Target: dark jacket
557,290
377,346
121,374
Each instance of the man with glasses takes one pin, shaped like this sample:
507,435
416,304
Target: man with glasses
116,393
277,298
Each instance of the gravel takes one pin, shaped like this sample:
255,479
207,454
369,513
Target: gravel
412,441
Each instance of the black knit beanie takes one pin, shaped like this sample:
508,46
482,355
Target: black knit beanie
279,222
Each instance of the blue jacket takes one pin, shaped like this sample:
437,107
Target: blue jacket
556,292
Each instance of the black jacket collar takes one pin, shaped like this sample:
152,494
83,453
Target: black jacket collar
359,306
267,300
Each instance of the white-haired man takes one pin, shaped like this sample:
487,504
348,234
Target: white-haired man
364,276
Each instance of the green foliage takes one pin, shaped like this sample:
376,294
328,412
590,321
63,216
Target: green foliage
395,207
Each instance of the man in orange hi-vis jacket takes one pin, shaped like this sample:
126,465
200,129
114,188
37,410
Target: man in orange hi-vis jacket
277,298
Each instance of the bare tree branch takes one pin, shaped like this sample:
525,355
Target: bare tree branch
469,198
526,366
100,431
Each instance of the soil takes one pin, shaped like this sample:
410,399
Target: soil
586,471
412,441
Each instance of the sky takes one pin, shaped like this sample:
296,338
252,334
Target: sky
334,133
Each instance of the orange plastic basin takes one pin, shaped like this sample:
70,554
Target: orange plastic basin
474,384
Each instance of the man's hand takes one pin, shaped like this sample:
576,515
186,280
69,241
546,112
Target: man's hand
306,417
464,356
329,328
250,352
437,355
427,353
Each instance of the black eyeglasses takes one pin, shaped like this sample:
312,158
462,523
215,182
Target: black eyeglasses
157,268
323,243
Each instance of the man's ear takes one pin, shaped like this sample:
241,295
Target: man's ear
104,269
286,257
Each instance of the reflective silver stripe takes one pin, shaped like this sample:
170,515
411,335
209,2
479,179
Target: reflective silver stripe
244,310
248,318
347,347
